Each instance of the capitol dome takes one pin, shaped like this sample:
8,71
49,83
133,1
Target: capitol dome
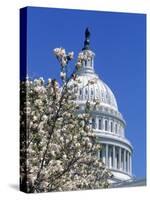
107,122
93,88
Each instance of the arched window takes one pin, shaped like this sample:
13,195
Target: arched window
111,127
106,125
86,91
116,128
100,154
92,92
80,91
85,62
100,124
91,63
93,123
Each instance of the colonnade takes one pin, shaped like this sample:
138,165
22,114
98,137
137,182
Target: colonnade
116,157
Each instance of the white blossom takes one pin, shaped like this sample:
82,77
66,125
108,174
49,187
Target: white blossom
62,75
70,55
44,117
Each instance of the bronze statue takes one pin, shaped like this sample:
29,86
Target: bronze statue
87,40
87,34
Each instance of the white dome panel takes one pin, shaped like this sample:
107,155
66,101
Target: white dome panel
91,87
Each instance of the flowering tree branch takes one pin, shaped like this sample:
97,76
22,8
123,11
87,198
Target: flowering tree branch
58,147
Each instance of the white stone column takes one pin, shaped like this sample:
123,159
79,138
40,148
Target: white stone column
102,123
109,125
110,156
114,155
120,158
107,164
127,161
130,164
117,158
124,161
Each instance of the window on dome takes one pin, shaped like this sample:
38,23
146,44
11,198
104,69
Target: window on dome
100,155
111,127
80,91
116,128
93,124
91,62
92,92
106,125
100,124
86,91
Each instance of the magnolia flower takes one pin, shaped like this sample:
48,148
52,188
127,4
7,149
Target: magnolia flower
40,127
38,102
37,82
53,153
42,80
75,137
78,154
64,156
82,123
58,51
67,141
69,137
80,56
63,62
35,118
49,80
61,139
77,145
44,117
62,51
89,145
87,139
78,65
70,55
62,75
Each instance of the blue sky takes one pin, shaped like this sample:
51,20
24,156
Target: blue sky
119,42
